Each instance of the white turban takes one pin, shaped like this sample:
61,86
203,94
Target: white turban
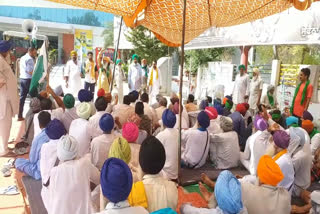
270,87
67,148
84,110
226,124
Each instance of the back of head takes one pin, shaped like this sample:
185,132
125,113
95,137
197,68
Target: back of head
203,105
190,98
135,96
163,102
169,118
46,104
130,132
101,104
308,126
281,139
203,119
226,124
139,108
306,72
68,101
84,110
44,118
67,148
228,192
292,121
116,180
120,148
152,156
126,100
241,108
229,104
209,99
268,171
145,98
35,105
85,96
106,123
55,129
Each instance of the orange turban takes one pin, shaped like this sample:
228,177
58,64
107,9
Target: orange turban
269,171
307,125
224,100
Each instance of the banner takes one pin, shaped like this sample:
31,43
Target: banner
83,43
109,52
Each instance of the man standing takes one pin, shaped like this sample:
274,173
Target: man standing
256,87
91,73
26,69
303,94
119,78
241,86
8,96
154,82
72,74
145,72
135,74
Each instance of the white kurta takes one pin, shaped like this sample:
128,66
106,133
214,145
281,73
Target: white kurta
134,77
184,122
256,87
159,112
150,112
315,143
286,166
71,181
123,207
154,89
122,111
73,71
194,150
119,78
48,157
265,100
241,88
68,116
160,192
169,139
93,125
9,103
214,127
80,131
225,150
100,149
189,209
256,146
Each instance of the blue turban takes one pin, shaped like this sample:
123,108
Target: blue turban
169,118
165,211
55,129
135,94
85,96
203,119
292,120
229,97
203,105
116,180
106,122
5,46
228,192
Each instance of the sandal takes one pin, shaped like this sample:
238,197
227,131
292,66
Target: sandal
6,172
9,164
10,190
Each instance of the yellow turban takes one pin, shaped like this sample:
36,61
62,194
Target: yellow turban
73,53
106,58
269,171
84,110
120,148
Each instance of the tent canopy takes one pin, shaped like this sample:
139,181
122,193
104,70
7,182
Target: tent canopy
164,17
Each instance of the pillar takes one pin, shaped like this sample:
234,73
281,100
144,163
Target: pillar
60,48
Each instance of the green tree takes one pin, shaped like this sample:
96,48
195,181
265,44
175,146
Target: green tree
108,35
146,45
198,58
87,19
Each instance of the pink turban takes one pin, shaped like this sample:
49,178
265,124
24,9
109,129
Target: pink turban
130,132
176,108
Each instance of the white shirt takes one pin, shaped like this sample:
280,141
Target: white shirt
169,139
160,192
184,122
123,207
94,127
302,164
100,147
189,209
315,143
134,77
159,112
256,146
241,88
79,130
70,180
196,147
155,87
26,66
73,71
256,87
150,112
286,166
48,158
55,114
226,150
214,127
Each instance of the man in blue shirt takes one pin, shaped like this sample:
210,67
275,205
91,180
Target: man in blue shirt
27,63
31,167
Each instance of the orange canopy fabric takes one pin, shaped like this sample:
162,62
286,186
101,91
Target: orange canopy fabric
164,17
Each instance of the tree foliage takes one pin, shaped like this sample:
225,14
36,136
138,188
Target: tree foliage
198,58
87,19
146,45
108,35
290,54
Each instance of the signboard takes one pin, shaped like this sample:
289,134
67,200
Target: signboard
109,52
83,43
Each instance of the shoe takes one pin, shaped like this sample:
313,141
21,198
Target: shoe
20,119
6,172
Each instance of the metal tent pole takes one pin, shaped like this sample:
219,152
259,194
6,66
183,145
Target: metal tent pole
180,86
115,55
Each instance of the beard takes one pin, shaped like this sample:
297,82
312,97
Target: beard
271,151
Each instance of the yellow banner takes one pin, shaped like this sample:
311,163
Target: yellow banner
83,42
